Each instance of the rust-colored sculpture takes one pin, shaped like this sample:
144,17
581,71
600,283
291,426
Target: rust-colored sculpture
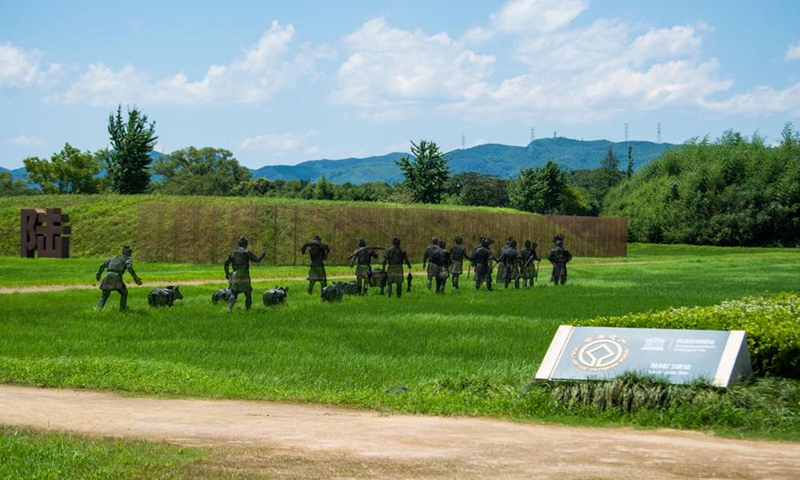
112,282
559,257
45,232
318,253
239,279
393,260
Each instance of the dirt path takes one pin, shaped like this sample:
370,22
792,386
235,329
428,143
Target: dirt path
279,440
221,283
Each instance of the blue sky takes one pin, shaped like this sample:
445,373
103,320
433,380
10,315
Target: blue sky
283,82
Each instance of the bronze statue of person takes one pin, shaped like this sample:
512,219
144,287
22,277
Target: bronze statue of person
529,256
393,259
482,261
457,255
440,259
112,282
239,279
363,255
426,258
501,267
512,261
559,257
318,253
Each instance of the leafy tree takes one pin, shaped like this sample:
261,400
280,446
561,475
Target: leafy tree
133,142
539,190
732,191
610,168
478,189
199,171
10,186
425,174
67,171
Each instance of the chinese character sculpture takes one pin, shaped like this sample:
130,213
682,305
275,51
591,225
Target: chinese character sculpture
44,232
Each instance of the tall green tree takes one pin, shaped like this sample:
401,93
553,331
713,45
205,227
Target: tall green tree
478,189
199,171
425,174
132,142
67,171
610,168
539,190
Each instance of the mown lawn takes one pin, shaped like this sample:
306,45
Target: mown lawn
463,353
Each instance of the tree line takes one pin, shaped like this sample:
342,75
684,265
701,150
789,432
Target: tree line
732,191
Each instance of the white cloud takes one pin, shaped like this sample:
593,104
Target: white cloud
280,143
793,52
390,71
537,16
264,70
26,141
762,100
19,68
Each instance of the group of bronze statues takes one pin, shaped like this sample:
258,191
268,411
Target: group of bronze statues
438,261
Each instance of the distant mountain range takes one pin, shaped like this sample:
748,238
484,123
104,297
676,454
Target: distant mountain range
493,159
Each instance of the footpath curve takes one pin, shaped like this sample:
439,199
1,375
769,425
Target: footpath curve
311,441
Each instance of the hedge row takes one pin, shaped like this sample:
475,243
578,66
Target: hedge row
772,324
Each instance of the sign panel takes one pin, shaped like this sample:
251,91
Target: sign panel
676,356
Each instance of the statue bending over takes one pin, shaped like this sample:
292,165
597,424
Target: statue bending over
116,267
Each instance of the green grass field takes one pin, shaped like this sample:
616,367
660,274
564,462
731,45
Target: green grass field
463,353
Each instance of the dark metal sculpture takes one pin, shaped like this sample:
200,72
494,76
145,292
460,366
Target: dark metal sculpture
482,261
166,296
426,258
275,296
559,257
440,259
332,293
512,262
362,257
223,294
530,271
501,267
457,255
113,282
45,232
239,279
318,253
393,260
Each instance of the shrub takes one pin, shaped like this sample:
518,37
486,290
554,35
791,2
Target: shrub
772,325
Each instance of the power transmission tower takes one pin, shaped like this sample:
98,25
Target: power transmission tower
533,133
626,131
658,133
463,141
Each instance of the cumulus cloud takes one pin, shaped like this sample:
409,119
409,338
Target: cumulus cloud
391,71
537,16
270,66
762,100
20,68
280,143
793,52
26,141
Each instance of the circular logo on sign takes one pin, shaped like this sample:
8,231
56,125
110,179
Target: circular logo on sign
601,353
